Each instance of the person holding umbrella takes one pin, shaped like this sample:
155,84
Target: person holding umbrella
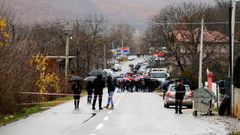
98,84
89,88
77,88
111,89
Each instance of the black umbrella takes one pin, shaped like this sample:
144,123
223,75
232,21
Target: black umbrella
90,78
75,78
97,72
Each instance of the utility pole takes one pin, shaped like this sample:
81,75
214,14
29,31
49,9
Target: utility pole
67,29
200,56
113,45
122,46
77,60
104,56
233,7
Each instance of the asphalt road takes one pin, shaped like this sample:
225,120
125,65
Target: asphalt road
134,114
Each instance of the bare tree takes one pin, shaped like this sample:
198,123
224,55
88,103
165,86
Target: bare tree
165,29
178,29
88,35
122,35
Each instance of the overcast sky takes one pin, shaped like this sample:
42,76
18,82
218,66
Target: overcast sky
115,11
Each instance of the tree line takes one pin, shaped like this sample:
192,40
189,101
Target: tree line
177,27
23,49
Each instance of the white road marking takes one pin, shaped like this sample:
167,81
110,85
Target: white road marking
99,126
106,118
92,134
109,112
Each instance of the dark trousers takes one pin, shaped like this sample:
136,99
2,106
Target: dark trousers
99,100
76,102
178,106
89,98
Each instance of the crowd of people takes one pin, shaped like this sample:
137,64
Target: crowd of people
95,90
136,83
125,82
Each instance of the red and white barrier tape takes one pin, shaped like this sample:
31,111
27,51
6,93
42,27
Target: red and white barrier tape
53,94
49,94
39,103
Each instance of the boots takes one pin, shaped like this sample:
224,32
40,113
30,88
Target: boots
78,104
106,106
75,104
112,107
100,102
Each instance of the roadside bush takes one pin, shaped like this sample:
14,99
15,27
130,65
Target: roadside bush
15,73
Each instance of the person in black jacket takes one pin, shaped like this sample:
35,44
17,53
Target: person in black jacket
77,88
111,89
89,88
99,84
180,92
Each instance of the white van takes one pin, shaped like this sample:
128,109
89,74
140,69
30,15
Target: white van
159,74
117,67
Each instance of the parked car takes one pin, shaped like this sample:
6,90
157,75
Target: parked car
132,57
170,97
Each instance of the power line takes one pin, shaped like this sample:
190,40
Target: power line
160,23
193,23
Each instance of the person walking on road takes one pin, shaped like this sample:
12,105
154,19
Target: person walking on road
89,88
77,88
99,84
180,92
111,89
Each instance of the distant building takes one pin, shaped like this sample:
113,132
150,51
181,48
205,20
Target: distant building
57,63
186,43
123,51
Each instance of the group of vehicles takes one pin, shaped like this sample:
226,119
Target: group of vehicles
163,76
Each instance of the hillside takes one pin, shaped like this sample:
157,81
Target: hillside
116,11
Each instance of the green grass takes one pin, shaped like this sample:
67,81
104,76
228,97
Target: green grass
26,111
158,90
5,119
236,133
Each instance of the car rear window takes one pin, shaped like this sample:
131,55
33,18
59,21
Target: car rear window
173,88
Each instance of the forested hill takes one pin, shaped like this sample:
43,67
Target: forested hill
117,11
